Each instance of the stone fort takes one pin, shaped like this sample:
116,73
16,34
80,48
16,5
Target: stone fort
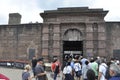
64,31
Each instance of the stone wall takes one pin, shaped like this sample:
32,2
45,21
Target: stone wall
113,38
16,40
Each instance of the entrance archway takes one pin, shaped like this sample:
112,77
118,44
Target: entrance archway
73,43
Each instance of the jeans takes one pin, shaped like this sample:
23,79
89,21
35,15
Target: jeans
33,69
55,76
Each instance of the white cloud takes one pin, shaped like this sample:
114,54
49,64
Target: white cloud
111,5
77,3
30,9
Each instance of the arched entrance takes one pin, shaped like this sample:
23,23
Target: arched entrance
73,43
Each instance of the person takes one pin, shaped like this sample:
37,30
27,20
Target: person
71,64
55,67
71,61
117,62
112,60
67,71
94,66
77,68
40,73
98,60
65,59
102,70
83,61
90,74
107,75
26,73
34,62
85,68
114,72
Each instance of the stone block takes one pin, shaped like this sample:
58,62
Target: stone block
56,37
45,44
45,29
89,36
89,28
101,44
89,44
56,44
102,52
89,52
56,52
101,36
56,29
44,52
101,29
45,37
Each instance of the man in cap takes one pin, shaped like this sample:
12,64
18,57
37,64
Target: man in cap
39,70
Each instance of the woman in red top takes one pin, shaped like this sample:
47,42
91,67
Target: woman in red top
55,67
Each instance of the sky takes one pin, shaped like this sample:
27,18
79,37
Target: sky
30,9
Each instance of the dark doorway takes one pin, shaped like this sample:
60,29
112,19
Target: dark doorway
72,48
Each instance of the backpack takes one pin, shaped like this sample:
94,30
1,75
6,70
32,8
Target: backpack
79,73
56,68
107,74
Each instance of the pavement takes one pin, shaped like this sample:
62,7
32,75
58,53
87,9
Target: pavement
15,74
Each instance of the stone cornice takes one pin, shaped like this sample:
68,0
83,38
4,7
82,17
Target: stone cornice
83,11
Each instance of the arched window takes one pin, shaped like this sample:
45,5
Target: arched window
73,35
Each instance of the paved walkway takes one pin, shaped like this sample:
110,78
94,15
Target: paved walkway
15,74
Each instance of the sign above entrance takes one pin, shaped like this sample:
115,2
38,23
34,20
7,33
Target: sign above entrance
72,52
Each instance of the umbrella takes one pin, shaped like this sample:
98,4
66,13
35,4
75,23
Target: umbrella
3,77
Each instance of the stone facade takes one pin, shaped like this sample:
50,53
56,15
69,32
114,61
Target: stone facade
23,41
113,39
16,40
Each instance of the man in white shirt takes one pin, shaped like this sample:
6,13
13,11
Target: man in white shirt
102,70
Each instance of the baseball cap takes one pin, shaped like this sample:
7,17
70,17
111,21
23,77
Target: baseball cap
40,59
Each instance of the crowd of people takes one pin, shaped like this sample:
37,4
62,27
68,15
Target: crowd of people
77,68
